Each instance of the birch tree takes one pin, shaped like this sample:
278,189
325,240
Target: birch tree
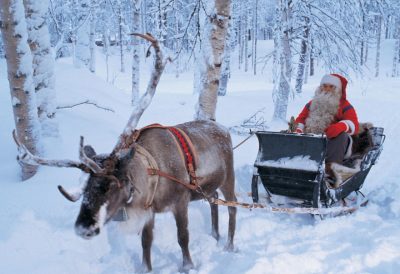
303,53
378,44
396,53
136,52
82,43
43,64
20,77
282,60
225,68
216,31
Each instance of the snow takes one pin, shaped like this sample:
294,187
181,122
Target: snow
37,223
296,162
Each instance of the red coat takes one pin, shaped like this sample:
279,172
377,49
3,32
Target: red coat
346,112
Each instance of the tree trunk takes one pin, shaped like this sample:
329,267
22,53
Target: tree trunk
136,52
395,68
20,72
307,68
92,42
378,46
255,38
82,48
226,70
302,57
246,39
217,29
43,65
362,39
121,44
282,48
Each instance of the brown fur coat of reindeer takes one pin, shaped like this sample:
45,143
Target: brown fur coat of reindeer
121,178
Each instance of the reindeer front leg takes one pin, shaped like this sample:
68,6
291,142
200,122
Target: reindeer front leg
181,219
147,240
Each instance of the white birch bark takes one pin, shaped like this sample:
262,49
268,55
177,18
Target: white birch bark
136,52
302,57
20,77
282,62
396,53
216,32
121,43
246,39
255,37
92,45
43,65
378,46
82,46
225,69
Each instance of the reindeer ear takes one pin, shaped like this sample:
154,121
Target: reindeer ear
89,151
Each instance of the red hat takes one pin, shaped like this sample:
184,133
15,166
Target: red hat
336,80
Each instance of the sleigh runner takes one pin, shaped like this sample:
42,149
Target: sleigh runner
291,167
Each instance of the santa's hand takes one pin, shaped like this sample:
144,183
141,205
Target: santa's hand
334,130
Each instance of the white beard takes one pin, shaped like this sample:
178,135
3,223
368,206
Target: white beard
323,109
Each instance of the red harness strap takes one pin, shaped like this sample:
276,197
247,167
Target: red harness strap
183,141
187,152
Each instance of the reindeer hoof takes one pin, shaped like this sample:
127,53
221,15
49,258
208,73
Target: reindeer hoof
145,268
186,267
215,235
229,247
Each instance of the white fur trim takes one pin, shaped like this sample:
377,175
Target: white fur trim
338,170
300,126
330,79
347,126
350,126
349,149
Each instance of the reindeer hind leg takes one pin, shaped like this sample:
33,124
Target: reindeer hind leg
228,190
214,218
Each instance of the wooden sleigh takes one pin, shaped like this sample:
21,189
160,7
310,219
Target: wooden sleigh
291,168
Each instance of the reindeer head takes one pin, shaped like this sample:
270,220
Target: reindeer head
104,192
107,187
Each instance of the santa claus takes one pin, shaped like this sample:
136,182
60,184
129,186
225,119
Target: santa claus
329,112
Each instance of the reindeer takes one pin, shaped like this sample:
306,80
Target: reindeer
122,179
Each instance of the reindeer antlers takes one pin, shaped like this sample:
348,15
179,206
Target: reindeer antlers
146,98
146,36
86,164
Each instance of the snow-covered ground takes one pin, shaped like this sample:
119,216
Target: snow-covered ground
36,222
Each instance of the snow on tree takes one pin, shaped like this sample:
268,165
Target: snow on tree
43,64
282,60
215,33
378,44
20,77
304,49
225,69
82,43
92,37
136,52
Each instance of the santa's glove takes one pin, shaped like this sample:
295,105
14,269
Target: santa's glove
298,130
335,129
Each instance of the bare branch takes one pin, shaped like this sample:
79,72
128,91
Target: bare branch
86,102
